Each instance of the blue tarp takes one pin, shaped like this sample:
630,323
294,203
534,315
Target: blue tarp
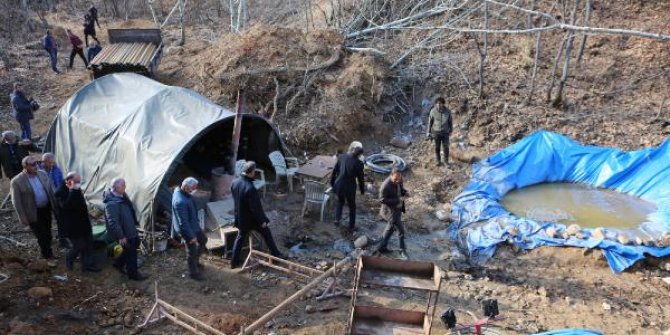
546,157
572,331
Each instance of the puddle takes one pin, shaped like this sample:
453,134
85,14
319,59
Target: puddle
587,206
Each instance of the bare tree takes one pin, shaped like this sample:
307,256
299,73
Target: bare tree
587,21
568,51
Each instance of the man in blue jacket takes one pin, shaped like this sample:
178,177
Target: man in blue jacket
185,223
23,110
122,226
51,46
249,214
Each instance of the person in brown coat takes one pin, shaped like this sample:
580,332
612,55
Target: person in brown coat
33,201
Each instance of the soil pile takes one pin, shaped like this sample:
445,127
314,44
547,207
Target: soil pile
303,81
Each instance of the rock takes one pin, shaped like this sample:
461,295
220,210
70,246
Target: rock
442,215
550,232
580,236
623,239
664,241
565,235
39,292
573,229
666,280
542,291
598,234
310,309
568,301
128,320
38,266
361,242
514,231
400,142
607,307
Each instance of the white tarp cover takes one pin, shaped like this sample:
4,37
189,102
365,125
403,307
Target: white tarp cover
127,125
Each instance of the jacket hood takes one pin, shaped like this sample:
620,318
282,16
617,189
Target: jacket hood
108,196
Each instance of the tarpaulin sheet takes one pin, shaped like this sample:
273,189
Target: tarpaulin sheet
572,331
546,157
127,125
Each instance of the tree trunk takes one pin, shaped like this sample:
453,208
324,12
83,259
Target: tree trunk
587,19
538,45
483,52
566,65
182,8
555,67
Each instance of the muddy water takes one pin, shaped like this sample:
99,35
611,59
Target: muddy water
575,203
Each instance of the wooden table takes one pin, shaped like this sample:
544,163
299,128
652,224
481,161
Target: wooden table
317,168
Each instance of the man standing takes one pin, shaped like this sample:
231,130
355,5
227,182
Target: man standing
249,214
33,201
185,223
11,155
391,195
122,225
440,125
77,47
348,170
52,170
76,223
49,167
51,46
22,108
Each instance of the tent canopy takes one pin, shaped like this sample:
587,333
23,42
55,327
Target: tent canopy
126,125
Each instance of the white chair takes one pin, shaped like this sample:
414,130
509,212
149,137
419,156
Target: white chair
258,183
316,193
284,167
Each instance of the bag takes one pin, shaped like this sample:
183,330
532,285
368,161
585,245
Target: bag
34,105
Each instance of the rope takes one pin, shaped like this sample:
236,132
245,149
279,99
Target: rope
383,163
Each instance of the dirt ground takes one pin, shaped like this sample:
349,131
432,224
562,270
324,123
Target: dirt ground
617,97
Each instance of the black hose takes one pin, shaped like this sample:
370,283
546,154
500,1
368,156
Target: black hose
383,163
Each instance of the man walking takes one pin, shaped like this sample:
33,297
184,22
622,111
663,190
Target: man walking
93,12
77,48
249,214
11,155
33,201
51,46
22,108
122,225
185,223
348,170
440,125
391,195
89,28
76,223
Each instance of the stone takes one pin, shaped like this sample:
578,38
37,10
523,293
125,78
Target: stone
542,291
442,215
310,309
573,229
128,320
666,280
40,292
598,233
551,232
361,242
623,239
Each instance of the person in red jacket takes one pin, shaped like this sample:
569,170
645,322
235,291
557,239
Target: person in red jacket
77,47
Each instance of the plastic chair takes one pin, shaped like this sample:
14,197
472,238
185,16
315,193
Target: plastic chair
284,167
258,183
316,193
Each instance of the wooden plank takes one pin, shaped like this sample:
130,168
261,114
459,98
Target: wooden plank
188,317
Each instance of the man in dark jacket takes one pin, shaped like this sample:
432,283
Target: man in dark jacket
185,223
93,12
77,48
23,110
249,214
75,222
89,28
51,46
348,170
11,155
440,125
391,195
122,226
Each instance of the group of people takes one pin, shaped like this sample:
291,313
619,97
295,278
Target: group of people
50,44
40,193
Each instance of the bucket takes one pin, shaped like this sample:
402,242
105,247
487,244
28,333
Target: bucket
221,182
161,245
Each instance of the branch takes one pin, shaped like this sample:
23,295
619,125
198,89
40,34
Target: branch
368,50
